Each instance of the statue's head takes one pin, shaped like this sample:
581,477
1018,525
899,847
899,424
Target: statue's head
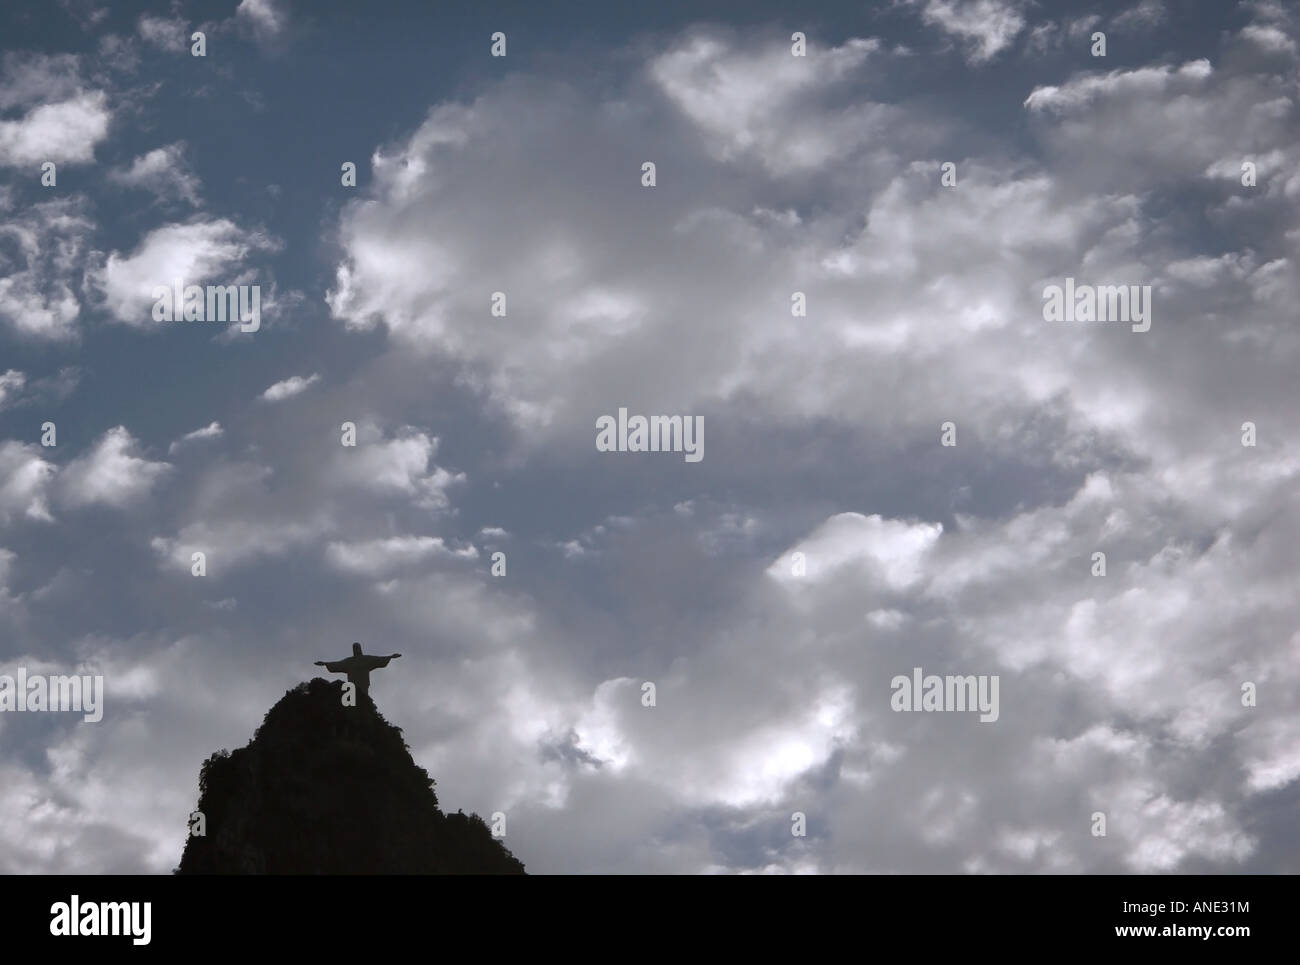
356,649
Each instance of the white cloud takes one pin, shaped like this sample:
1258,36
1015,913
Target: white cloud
195,252
24,482
11,385
1086,88
415,252
39,269
764,103
1273,761
1120,693
163,171
235,516
1270,38
595,320
288,388
1192,118
397,466
111,473
266,18
65,133
380,556
987,27
232,542
212,430
165,33
1148,13
33,78
893,549
100,790
61,119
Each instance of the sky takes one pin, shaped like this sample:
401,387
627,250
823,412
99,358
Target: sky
904,463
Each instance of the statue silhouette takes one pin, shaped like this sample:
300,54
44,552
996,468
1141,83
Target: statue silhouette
358,667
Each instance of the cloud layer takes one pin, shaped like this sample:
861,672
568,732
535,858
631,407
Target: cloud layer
502,278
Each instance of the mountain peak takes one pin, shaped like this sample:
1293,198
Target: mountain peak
323,788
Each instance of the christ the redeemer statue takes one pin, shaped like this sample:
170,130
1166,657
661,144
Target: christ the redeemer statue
358,667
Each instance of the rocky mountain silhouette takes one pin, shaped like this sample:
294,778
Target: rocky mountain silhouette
328,789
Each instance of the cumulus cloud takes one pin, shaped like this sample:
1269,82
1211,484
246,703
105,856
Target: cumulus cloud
65,133
765,103
40,264
599,318
163,171
109,784
1120,693
1091,435
985,27
195,252
56,115
112,473
894,549
400,466
25,479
